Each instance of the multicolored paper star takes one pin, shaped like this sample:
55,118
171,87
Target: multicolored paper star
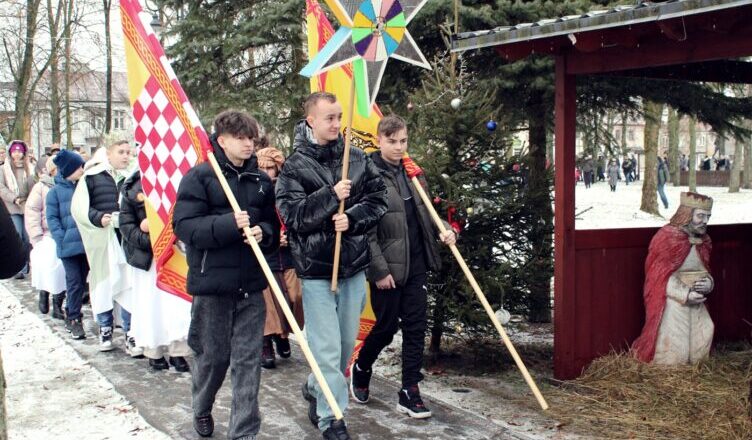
371,32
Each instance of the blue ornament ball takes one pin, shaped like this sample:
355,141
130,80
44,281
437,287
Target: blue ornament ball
491,125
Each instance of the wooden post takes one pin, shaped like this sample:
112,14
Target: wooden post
278,294
481,297
564,227
345,170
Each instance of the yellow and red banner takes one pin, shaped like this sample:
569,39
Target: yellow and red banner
171,137
337,81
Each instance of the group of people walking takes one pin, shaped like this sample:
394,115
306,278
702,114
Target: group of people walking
93,215
291,208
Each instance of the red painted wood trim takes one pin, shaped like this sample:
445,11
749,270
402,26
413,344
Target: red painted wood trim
564,244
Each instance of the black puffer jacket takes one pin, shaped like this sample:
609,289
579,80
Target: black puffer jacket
136,243
307,202
219,263
390,239
103,196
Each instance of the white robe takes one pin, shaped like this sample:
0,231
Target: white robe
159,320
686,331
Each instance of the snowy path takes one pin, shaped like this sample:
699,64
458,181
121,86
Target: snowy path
52,392
621,209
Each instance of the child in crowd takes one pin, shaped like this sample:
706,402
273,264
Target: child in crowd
16,181
96,210
47,272
159,319
276,327
70,247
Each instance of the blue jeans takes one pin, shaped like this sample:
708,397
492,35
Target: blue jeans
76,270
662,193
332,340
18,223
105,319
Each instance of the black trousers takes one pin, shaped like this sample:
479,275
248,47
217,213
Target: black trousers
227,332
405,308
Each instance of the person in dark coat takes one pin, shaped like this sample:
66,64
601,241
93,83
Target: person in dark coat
662,179
70,247
160,319
309,191
224,276
15,253
404,247
276,328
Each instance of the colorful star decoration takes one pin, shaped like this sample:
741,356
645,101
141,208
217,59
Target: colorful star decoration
371,32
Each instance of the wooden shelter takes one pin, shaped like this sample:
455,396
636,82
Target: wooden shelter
599,274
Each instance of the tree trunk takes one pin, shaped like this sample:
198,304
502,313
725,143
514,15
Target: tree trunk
54,22
24,72
736,169
108,74
692,178
3,415
539,197
673,146
653,113
748,164
624,119
67,79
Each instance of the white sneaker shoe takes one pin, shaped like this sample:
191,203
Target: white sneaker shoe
105,339
131,348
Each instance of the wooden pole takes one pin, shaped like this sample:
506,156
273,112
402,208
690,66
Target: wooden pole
345,170
278,294
482,297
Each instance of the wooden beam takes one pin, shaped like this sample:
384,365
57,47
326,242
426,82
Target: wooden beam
723,71
564,228
699,46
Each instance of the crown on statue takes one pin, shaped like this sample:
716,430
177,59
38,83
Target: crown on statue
695,200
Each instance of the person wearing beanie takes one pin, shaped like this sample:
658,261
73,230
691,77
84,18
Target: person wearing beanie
276,327
68,243
16,181
47,272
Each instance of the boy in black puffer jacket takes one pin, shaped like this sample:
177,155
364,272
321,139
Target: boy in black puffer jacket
224,277
308,196
159,319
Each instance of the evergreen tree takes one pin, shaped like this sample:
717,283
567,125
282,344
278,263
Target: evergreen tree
244,54
472,175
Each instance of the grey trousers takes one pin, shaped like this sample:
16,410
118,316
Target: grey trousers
228,331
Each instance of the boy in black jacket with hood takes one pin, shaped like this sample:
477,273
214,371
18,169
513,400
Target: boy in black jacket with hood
224,277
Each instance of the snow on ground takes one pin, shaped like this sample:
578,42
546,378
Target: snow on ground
52,392
622,208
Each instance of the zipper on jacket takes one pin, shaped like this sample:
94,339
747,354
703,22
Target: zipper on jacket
203,261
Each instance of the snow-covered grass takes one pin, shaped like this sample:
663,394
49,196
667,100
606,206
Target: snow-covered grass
52,392
621,209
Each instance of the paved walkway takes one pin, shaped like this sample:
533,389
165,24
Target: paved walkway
163,398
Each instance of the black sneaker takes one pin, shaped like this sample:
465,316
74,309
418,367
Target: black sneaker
76,328
312,416
337,431
283,346
204,426
411,404
180,364
359,382
267,354
158,364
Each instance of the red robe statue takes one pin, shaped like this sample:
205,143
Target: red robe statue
668,249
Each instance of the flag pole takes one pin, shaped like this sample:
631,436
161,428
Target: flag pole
278,293
345,170
470,278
